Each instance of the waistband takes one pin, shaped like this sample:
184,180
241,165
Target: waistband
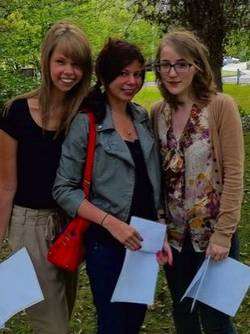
28,212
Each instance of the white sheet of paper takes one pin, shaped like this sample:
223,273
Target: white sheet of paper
138,277
221,285
19,287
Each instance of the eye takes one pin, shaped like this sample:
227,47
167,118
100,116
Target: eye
138,75
76,65
59,61
124,74
182,64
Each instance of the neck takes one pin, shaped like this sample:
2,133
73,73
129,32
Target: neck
117,106
56,99
186,97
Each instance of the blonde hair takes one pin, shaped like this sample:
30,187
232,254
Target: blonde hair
188,46
73,44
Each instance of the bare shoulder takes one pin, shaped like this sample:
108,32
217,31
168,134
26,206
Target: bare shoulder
33,104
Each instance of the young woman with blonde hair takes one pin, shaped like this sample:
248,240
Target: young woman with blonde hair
200,139
31,134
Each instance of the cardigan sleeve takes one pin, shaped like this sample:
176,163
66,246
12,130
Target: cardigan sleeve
154,115
231,148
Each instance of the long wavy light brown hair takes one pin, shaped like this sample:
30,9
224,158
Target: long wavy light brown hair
73,44
190,48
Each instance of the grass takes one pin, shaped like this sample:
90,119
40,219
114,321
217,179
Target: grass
158,320
241,93
150,76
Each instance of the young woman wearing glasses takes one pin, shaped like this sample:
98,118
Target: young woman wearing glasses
200,140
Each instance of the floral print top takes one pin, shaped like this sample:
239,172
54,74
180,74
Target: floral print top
191,187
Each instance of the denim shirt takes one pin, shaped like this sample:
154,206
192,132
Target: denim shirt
114,171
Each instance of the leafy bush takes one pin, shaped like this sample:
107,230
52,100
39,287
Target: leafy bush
243,112
13,84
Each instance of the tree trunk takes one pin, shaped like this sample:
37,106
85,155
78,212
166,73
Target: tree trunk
210,30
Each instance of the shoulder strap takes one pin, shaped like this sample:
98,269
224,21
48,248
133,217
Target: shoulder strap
88,170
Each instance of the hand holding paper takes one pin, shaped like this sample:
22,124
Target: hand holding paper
137,280
221,285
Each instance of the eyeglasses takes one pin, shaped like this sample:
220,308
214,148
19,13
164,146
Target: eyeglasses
181,67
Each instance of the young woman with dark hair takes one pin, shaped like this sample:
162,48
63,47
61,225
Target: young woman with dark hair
201,144
126,179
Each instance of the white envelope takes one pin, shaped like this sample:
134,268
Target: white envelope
19,287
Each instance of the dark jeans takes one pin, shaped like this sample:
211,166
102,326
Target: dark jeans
103,263
179,276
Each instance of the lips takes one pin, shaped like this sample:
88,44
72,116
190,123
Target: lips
128,91
173,83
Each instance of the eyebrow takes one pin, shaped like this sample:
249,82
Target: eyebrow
181,59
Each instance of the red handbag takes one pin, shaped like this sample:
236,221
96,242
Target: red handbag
67,252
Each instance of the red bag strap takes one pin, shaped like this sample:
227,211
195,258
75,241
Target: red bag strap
88,170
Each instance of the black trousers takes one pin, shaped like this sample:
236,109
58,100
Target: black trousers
179,276
103,263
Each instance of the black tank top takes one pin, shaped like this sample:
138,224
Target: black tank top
37,157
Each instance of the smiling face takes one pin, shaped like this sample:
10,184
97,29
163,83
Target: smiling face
178,83
124,87
64,72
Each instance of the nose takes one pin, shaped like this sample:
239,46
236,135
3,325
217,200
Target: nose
172,72
132,79
68,68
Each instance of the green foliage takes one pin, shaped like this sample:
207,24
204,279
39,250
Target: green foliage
23,24
13,84
238,44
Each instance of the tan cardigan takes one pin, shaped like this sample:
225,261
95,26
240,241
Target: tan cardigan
228,149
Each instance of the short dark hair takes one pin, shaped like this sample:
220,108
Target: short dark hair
115,55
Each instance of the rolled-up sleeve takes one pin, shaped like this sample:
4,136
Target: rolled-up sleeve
67,190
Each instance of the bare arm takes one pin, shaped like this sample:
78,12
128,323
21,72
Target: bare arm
8,179
123,232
